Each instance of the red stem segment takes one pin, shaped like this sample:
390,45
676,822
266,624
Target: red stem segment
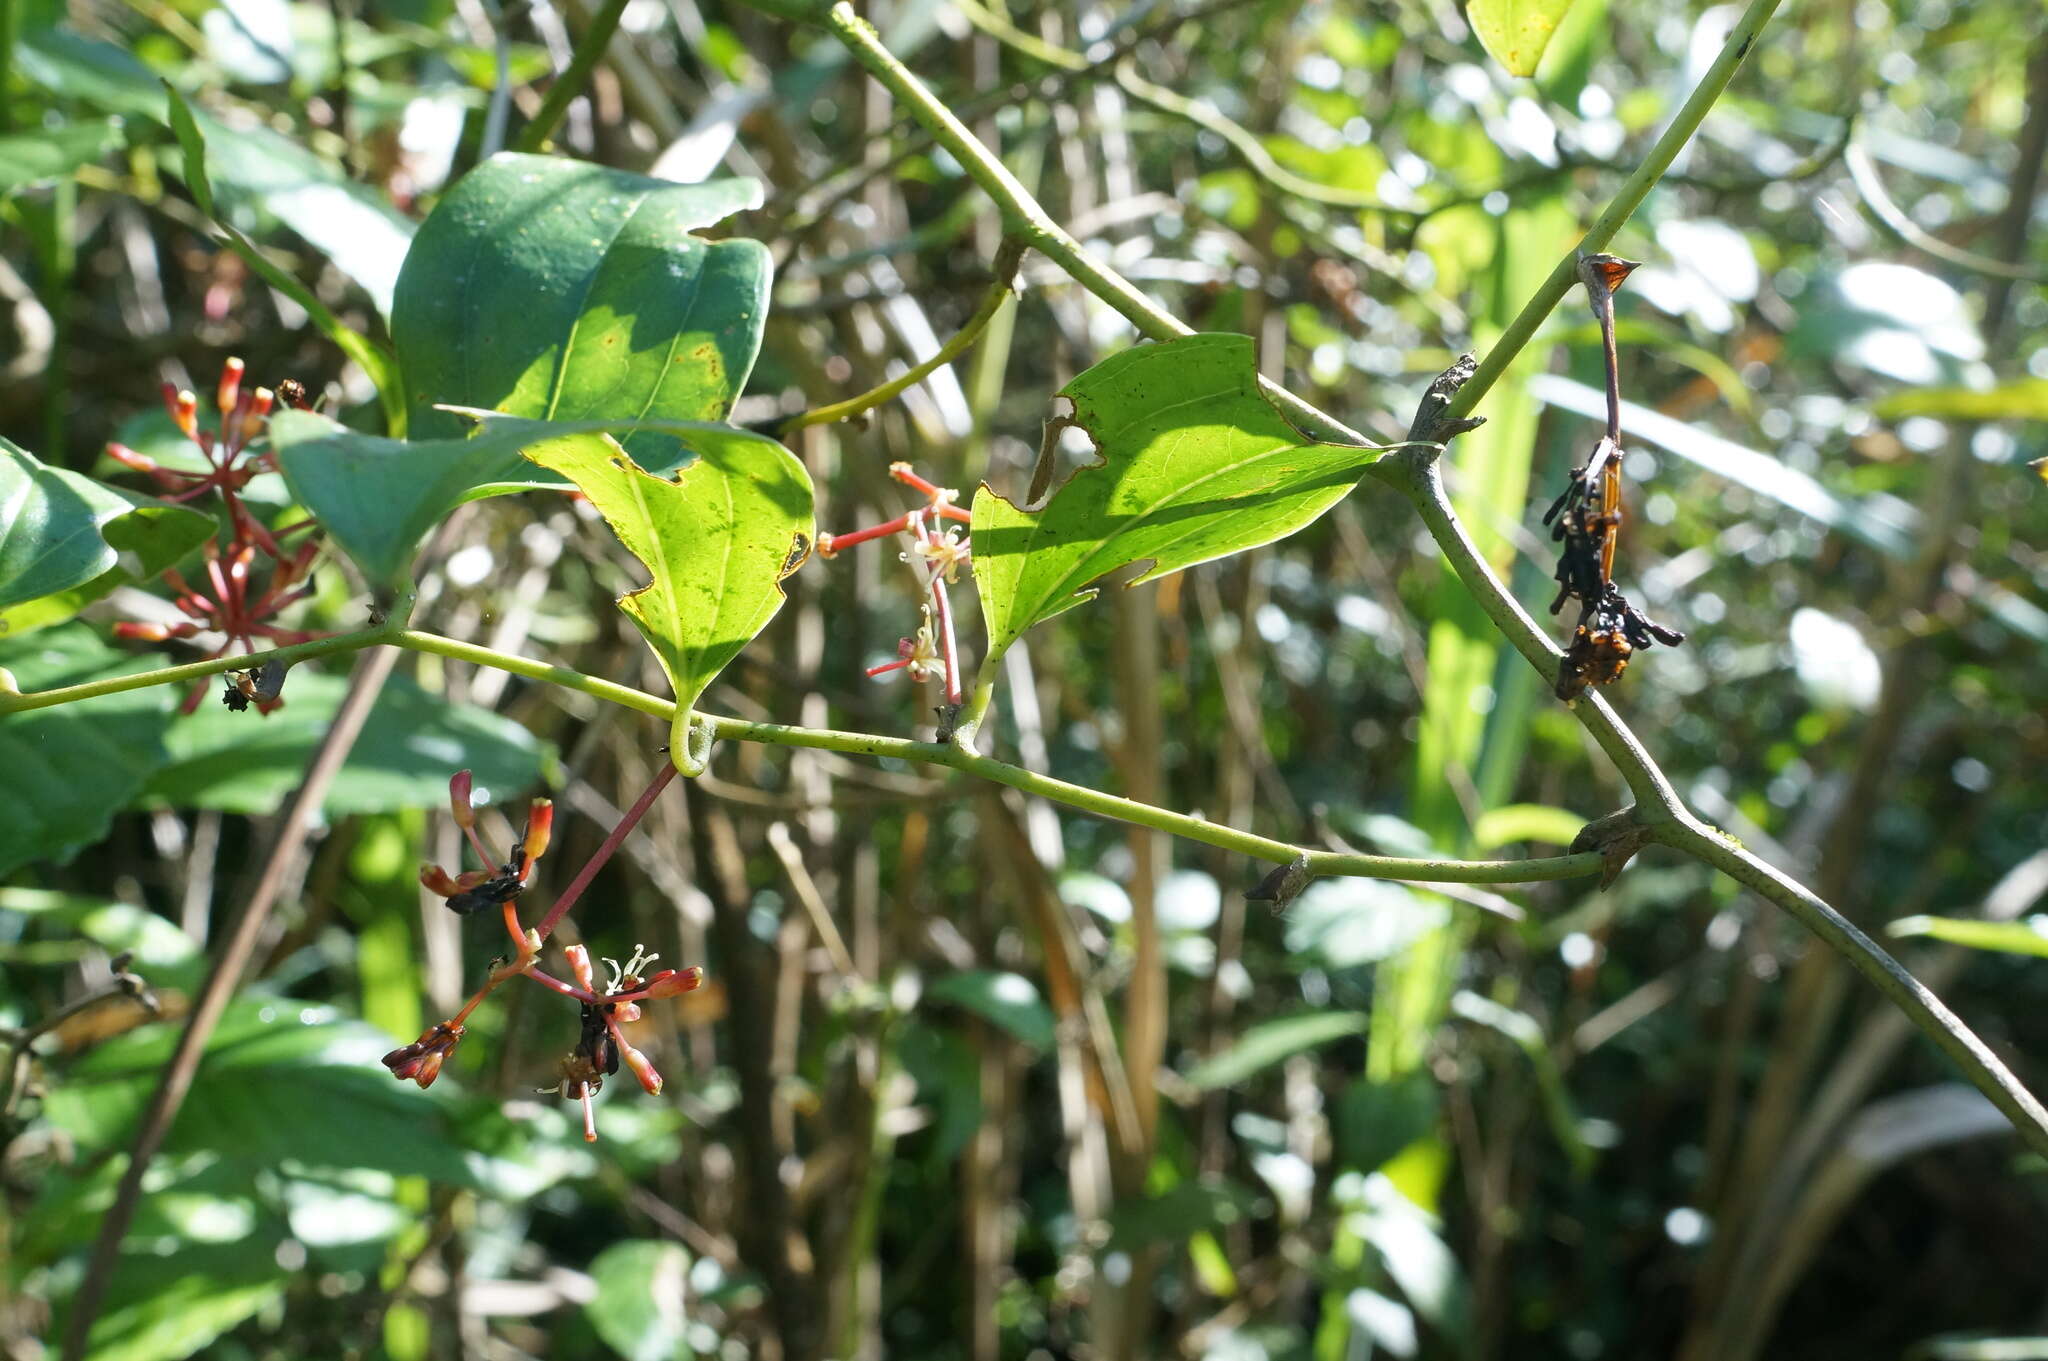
604,852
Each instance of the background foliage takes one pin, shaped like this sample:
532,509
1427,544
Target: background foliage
1645,1120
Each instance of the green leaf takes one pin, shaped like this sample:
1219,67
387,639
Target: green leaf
1376,1120
1515,32
555,289
1207,1202
2028,937
1195,464
1527,1036
162,1308
164,955
2024,399
281,1081
377,498
410,745
1263,1045
638,1308
148,538
1007,1000
72,767
102,75
718,540
33,158
373,359
1525,822
50,521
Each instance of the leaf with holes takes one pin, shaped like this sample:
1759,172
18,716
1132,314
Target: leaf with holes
1195,463
1515,32
549,288
718,539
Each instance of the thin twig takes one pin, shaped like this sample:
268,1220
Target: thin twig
534,136
365,684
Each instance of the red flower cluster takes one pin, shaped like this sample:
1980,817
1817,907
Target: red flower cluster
938,552
234,600
601,1046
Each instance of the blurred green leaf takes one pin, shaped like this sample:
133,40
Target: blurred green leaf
72,767
410,745
1007,1000
1515,32
281,1081
1525,822
1195,463
164,955
1173,1216
99,74
2023,399
1528,1037
308,196
718,539
32,158
1376,1120
2028,937
169,1306
1343,923
1261,1046
552,288
638,1309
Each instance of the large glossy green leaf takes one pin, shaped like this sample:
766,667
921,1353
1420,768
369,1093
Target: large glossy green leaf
363,236
30,158
378,497
71,768
555,289
718,539
50,521
148,538
410,745
638,1308
1195,464
1515,32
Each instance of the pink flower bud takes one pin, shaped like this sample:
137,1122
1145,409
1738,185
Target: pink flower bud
642,1069
122,454
437,881
229,393
458,800
579,965
675,982
540,823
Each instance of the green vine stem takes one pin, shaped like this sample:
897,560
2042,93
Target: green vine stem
1658,813
1620,208
534,136
1000,290
1318,863
1948,1031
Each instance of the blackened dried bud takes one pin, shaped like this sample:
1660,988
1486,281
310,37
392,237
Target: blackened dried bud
495,891
421,1060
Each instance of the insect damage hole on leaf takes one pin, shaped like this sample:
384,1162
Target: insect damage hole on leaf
1061,435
